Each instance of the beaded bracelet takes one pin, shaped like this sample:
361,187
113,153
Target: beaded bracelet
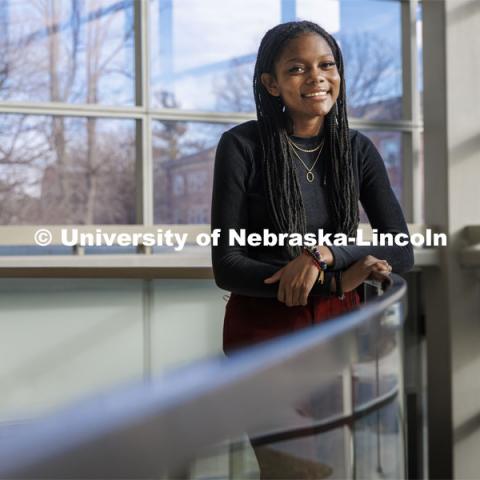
317,257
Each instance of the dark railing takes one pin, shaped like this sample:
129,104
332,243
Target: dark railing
327,399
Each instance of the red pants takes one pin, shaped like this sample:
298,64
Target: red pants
250,320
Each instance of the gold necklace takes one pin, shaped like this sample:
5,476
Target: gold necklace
305,149
310,174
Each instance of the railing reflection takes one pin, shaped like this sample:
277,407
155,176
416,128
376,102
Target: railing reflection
349,427
323,403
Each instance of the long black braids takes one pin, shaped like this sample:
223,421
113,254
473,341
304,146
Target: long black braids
284,197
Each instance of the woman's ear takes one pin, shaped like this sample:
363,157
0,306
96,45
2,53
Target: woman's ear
269,82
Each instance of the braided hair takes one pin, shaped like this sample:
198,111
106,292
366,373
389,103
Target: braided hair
284,199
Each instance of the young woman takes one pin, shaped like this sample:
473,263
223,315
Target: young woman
298,168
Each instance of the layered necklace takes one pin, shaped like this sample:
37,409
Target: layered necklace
310,175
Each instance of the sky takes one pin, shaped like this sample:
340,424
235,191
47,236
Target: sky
222,30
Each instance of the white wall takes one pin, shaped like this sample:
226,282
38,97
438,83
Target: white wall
61,339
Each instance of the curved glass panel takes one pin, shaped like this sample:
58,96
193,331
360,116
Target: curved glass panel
351,428
296,405
379,447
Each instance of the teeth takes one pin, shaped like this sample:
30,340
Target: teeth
316,94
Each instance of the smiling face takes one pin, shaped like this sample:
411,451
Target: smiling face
307,80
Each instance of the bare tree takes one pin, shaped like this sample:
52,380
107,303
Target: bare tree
234,92
5,53
369,63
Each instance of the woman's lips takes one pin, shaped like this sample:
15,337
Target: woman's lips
317,96
319,93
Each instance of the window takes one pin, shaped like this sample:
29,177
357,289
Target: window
78,133
389,145
198,214
69,52
197,180
67,170
186,150
370,39
178,185
218,77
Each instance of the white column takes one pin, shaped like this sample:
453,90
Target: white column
452,173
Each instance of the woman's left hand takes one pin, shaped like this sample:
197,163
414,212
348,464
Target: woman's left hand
297,279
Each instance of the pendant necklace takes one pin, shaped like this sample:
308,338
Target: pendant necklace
310,175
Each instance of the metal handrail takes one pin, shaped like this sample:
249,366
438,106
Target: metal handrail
330,423
138,430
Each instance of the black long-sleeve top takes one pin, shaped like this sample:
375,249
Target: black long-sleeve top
239,202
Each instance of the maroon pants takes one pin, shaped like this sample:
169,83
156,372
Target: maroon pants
250,320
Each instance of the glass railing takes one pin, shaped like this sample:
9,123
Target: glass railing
325,402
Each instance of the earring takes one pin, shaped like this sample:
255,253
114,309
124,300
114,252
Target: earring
335,113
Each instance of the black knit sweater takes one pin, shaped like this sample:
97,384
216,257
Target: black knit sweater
239,202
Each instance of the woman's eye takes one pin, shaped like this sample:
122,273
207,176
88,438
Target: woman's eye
328,65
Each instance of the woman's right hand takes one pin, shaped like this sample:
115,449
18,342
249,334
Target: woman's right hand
367,267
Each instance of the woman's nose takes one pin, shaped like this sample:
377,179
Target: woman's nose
317,75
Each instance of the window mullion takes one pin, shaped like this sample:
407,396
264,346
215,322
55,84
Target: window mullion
144,165
412,177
